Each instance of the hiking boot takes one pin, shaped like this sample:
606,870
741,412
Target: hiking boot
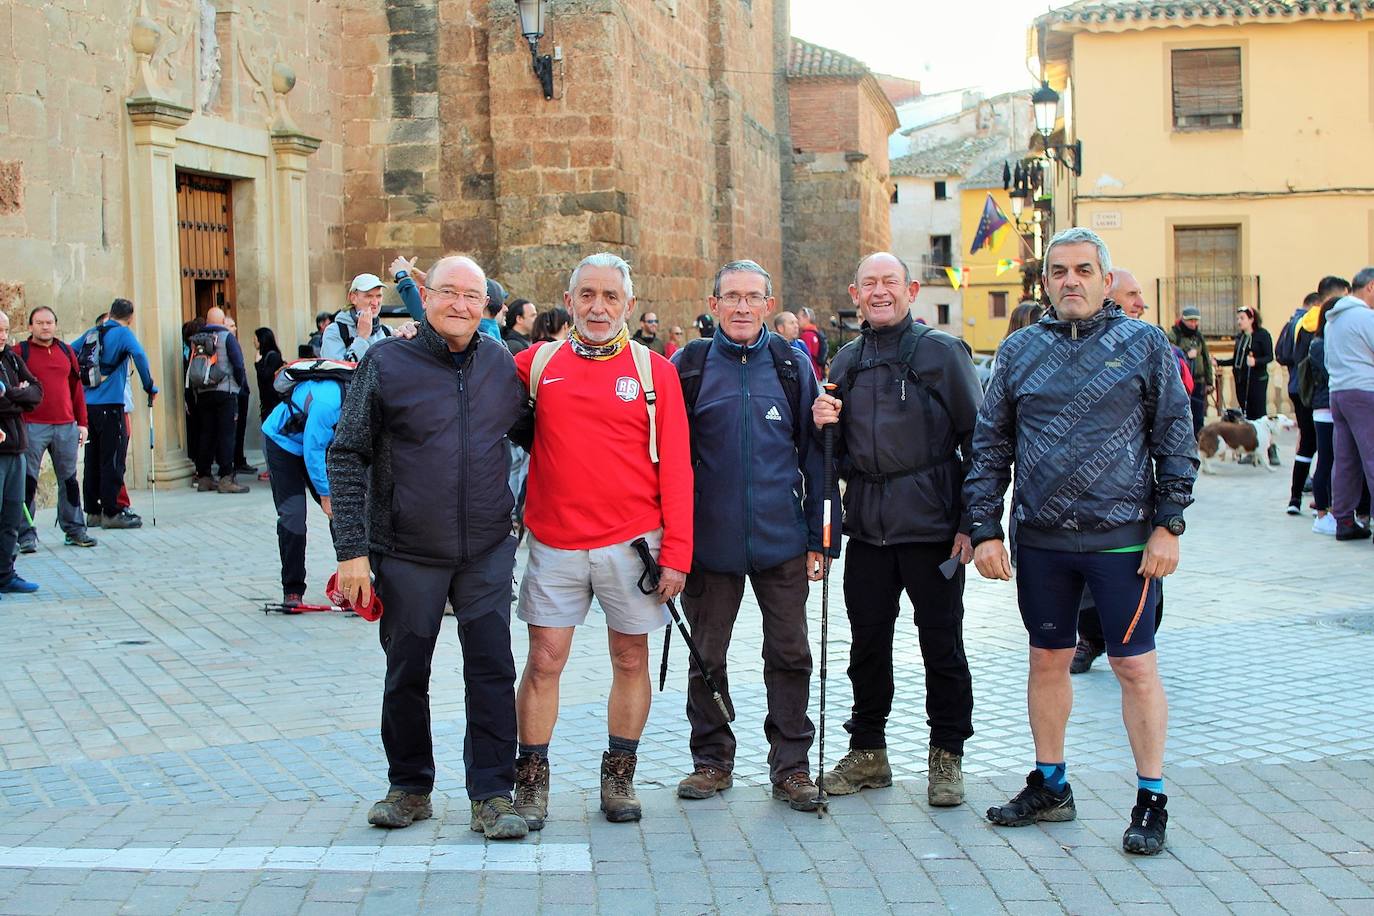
292,599
79,539
1036,802
618,788
1145,836
945,775
800,793
1349,530
230,485
205,484
400,809
122,520
705,782
532,789
94,519
243,467
495,819
859,769
1084,655
28,547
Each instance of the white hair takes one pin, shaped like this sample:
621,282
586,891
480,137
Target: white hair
604,259
1074,236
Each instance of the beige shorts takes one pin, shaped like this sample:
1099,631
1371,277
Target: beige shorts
559,585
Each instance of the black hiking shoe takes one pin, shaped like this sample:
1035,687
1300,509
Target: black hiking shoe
1084,655
1350,530
1036,802
1145,836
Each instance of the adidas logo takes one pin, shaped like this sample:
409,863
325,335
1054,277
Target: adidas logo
773,414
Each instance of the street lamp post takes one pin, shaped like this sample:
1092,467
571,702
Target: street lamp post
532,15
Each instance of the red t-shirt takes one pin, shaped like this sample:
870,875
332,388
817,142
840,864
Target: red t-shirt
64,400
591,483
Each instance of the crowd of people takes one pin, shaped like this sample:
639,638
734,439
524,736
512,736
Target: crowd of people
646,469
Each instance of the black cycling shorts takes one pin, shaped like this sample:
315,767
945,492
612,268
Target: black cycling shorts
1049,587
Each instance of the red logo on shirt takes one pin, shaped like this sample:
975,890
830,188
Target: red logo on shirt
626,388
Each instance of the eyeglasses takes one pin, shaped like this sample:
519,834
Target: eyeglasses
754,300
650,320
448,294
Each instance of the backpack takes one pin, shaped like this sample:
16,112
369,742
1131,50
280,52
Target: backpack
1307,379
346,331
88,358
71,354
693,360
906,357
205,372
643,367
1285,349
308,370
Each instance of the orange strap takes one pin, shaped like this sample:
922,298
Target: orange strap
1139,608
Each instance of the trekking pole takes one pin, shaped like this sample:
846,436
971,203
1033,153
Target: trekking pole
828,476
152,462
648,584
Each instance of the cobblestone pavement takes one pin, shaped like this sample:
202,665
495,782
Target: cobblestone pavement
167,747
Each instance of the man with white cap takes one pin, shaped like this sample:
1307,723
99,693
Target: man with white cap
356,328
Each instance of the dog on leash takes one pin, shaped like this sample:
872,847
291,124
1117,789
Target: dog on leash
1235,439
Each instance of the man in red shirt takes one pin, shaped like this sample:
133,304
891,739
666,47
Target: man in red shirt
57,425
593,489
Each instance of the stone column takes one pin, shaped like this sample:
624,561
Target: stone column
290,156
154,258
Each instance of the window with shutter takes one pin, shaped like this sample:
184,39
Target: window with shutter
1206,88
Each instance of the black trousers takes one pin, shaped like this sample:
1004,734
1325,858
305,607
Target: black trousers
874,578
413,597
290,482
1198,401
1307,447
217,412
107,451
241,428
1090,624
711,602
1252,394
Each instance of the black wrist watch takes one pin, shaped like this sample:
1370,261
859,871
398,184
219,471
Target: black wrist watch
1175,525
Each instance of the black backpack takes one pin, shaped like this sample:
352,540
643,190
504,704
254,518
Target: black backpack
308,370
906,357
88,357
71,354
346,331
785,361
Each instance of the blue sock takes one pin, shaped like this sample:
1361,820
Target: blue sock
1054,774
619,745
534,750
1151,785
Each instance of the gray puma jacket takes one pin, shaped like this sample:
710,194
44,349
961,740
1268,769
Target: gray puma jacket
1094,417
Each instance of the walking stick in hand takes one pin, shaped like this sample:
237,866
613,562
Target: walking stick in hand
648,584
152,462
828,456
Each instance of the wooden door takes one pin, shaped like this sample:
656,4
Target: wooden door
205,231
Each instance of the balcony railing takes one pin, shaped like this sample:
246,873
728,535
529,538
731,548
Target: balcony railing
932,270
1215,296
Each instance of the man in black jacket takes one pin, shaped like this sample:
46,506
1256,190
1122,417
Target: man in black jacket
910,400
421,436
21,394
1089,406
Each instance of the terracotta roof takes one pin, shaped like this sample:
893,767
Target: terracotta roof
953,158
813,60
1161,12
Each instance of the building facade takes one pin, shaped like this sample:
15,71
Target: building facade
255,155
1227,145
837,197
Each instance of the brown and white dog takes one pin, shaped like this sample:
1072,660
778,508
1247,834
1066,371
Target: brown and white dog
1226,440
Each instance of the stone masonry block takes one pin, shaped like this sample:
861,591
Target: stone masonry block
11,187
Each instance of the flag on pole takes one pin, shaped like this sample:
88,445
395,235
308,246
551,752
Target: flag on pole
990,227
1006,264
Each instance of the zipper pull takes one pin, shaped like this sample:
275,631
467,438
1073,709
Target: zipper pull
744,357
1073,329
903,390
